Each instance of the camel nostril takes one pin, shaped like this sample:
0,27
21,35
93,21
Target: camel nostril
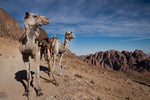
46,21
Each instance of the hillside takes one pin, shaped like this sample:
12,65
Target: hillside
120,61
80,81
9,27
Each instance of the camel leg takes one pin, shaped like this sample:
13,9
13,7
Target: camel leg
45,57
54,60
27,91
41,54
50,66
60,66
39,91
49,61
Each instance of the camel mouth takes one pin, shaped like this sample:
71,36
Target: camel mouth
43,23
73,36
46,22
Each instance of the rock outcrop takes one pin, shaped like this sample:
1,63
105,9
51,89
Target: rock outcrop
120,61
9,27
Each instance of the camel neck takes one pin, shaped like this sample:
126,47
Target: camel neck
66,43
30,35
30,32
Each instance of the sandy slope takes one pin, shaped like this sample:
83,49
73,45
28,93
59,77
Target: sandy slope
80,81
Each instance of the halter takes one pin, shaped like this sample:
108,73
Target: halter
37,33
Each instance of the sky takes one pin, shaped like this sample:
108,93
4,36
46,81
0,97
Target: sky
99,25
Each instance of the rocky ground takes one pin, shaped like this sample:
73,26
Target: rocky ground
80,81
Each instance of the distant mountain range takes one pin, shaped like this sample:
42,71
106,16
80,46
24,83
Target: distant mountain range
148,55
120,61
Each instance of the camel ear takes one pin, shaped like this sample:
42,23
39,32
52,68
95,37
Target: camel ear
65,31
39,14
27,14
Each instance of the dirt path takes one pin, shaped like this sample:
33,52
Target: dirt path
79,82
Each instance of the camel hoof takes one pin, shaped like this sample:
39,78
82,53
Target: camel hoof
49,74
26,93
56,84
39,93
60,75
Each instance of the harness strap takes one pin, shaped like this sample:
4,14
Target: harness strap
50,49
41,41
36,36
37,33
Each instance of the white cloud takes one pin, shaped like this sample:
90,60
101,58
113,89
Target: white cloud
136,39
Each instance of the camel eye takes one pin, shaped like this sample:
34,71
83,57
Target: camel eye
35,16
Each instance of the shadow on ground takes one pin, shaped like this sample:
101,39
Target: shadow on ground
21,76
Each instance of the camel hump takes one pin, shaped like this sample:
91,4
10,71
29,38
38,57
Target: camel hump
43,35
22,37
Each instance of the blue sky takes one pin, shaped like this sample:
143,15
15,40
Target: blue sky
99,25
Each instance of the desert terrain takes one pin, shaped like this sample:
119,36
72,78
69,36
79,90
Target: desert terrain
80,81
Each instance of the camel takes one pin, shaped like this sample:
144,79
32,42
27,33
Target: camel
58,48
45,50
29,46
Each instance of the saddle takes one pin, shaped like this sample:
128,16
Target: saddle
44,40
41,37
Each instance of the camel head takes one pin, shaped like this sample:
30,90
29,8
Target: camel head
35,20
69,35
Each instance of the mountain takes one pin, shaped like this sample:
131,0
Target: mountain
120,61
148,54
9,27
